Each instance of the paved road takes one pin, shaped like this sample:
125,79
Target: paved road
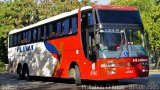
10,82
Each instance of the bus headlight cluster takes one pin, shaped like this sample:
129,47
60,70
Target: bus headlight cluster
144,70
111,72
108,65
144,63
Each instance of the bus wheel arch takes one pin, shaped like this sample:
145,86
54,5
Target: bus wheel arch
74,72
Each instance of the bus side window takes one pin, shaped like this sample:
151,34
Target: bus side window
47,31
54,33
39,33
90,19
26,34
10,40
15,39
84,22
43,33
59,28
24,38
19,38
51,30
66,26
29,36
34,35
74,25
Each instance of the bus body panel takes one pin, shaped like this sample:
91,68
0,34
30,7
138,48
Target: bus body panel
52,58
40,62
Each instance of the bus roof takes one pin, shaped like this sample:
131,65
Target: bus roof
45,21
66,14
113,7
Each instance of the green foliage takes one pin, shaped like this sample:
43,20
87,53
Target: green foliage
2,66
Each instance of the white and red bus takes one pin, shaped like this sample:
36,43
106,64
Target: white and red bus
90,43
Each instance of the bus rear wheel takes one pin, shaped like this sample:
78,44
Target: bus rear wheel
26,73
114,81
20,73
75,73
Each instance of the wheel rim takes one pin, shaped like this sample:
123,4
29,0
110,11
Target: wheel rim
20,72
26,75
72,73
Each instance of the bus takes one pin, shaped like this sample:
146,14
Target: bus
99,42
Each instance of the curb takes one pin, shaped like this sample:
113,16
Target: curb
156,70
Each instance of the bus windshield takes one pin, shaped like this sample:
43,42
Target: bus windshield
111,41
118,16
134,37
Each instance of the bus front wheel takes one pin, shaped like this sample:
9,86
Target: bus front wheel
114,81
77,75
74,73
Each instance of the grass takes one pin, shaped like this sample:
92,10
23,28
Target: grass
2,67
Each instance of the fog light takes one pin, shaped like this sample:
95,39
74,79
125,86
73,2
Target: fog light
111,72
109,65
144,70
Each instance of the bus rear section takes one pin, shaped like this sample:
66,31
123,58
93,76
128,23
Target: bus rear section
116,44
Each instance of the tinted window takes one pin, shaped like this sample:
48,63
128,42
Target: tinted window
90,19
84,22
50,30
39,33
42,33
47,31
59,28
115,16
74,25
29,36
66,26
24,40
19,38
34,34
15,39
10,40
54,33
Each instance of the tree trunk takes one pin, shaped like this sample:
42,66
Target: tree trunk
158,63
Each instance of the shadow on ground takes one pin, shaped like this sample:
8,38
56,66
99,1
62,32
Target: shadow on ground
90,82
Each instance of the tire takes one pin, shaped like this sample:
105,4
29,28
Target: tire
26,73
72,73
77,76
114,81
20,73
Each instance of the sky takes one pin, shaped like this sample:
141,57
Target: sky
101,2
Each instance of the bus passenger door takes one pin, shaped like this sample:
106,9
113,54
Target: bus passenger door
88,40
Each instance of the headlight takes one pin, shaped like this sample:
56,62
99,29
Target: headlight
144,63
108,65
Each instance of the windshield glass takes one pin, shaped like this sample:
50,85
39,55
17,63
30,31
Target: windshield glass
110,40
118,16
113,43
134,37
